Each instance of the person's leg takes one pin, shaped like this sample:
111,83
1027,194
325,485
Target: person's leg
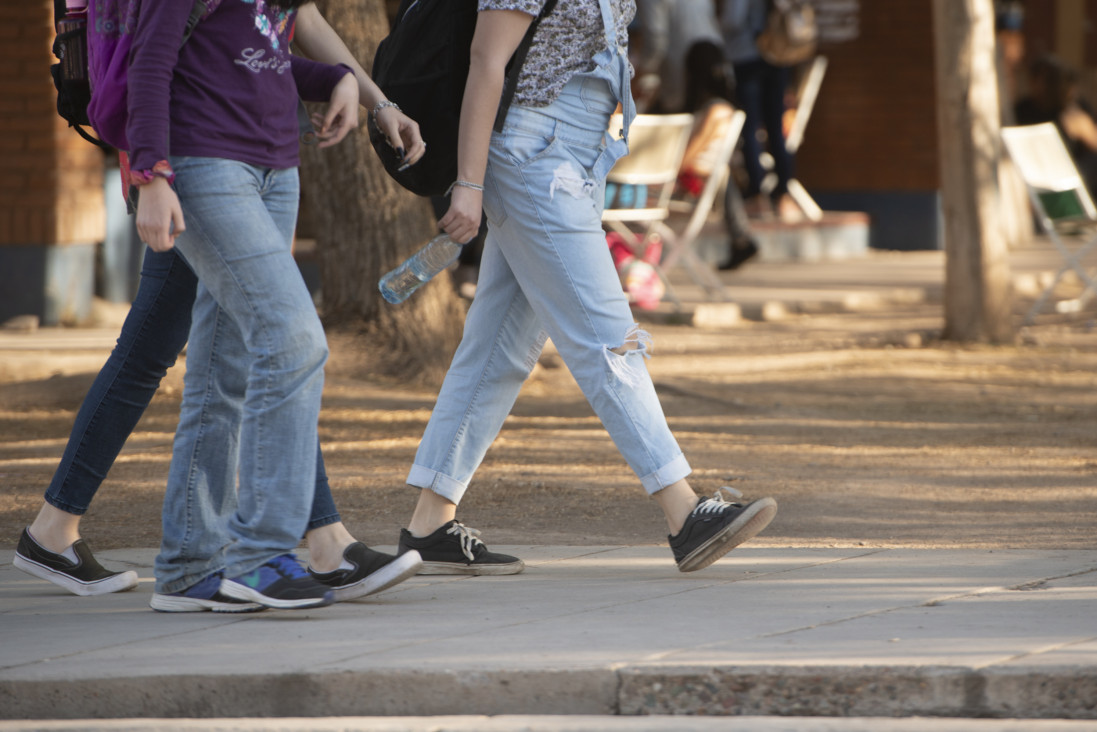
207,442
499,347
774,84
338,560
153,334
239,226
555,250
748,92
741,242
201,487
554,270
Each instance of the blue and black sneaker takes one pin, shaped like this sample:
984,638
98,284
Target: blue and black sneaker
206,595
280,583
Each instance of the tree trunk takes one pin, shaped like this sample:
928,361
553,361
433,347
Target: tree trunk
365,224
977,279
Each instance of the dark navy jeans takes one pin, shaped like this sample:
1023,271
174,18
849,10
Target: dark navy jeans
760,89
153,334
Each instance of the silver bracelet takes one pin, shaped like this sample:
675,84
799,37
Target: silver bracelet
383,104
463,184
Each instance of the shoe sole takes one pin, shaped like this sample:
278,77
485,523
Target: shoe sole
173,604
474,570
116,583
746,526
403,567
241,592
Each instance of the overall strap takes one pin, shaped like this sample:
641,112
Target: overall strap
609,24
615,49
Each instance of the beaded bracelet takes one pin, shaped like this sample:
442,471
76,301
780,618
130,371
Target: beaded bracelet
463,184
384,103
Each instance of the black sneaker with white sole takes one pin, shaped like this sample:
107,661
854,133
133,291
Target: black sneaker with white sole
365,571
456,549
716,526
75,569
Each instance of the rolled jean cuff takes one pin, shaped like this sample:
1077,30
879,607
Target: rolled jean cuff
671,473
443,485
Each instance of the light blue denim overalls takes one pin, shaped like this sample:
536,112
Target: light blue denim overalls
546,270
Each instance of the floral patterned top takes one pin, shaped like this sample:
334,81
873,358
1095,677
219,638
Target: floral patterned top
565,43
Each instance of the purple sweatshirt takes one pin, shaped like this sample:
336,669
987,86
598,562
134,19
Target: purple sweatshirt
229,92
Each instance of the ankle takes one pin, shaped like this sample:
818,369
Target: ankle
677,501
55,530
326,546
431,513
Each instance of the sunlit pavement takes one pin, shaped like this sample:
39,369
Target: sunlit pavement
847,632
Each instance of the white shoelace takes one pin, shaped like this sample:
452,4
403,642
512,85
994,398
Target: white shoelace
717,503
467,537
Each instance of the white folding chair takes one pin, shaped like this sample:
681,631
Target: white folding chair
656,146
1060,202
698,211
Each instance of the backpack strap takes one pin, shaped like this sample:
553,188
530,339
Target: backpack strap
196,12
515,66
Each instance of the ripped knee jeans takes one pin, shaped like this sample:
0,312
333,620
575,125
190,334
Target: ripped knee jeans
547,272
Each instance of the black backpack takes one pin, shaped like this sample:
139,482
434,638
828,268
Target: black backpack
85,59
422,65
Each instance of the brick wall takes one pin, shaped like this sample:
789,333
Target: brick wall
873,127
51,180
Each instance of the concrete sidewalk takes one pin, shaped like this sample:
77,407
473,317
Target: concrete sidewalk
849,632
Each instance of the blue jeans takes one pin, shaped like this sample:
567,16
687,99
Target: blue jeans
256,359
760,89
153,334
546,269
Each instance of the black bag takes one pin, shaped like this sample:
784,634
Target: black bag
422,65
791,33
70,74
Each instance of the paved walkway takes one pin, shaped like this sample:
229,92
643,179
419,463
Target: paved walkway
853,632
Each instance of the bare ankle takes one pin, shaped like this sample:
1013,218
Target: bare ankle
677,501
326,546
55,530
431,513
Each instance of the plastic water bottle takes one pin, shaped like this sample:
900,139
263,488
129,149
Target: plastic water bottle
417,270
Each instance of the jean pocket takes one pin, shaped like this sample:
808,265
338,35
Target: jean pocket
597,96
524,147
